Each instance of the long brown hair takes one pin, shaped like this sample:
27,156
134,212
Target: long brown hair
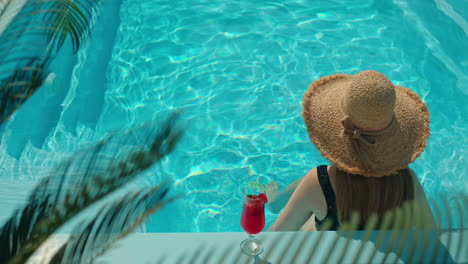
368,195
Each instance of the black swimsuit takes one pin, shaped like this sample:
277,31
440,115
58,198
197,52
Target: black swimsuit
327,189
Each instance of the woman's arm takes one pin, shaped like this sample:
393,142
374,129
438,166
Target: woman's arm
299,207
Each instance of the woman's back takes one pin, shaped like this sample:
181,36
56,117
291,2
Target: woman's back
347,193
315,199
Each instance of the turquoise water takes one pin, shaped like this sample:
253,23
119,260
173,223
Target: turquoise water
239,71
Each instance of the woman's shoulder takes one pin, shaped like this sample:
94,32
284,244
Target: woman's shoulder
312,177
310,186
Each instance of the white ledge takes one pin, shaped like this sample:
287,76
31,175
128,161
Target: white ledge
209,247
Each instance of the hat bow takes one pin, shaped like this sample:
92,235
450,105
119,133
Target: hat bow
359,137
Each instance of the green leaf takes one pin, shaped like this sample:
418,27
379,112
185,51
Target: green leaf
113,221
18,87
31,36
89,176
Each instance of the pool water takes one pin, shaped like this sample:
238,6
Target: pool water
238,70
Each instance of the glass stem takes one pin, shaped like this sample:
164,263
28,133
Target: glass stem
251,237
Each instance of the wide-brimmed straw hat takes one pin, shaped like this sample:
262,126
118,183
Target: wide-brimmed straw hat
364,124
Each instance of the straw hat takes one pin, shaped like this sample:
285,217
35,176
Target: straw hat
364,124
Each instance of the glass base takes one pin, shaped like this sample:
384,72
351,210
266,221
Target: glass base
252,247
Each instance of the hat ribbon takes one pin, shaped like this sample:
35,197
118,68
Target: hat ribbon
359,137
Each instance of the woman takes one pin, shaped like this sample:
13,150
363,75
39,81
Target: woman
370,130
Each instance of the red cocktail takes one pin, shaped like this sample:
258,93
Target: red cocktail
253,222
253,214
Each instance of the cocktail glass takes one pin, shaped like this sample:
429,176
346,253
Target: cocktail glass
253,222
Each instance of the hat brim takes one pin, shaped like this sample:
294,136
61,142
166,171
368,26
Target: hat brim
396,149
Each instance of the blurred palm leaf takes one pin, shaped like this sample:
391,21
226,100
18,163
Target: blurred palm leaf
18,87
84,179
69,18
113,221
31,34
18,228
404,234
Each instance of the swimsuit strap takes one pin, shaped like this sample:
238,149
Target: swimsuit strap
330,198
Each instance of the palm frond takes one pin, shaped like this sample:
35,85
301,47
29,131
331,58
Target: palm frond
31,34
91,175
18,229
114,221
50,21
70,19
18,87
404,234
